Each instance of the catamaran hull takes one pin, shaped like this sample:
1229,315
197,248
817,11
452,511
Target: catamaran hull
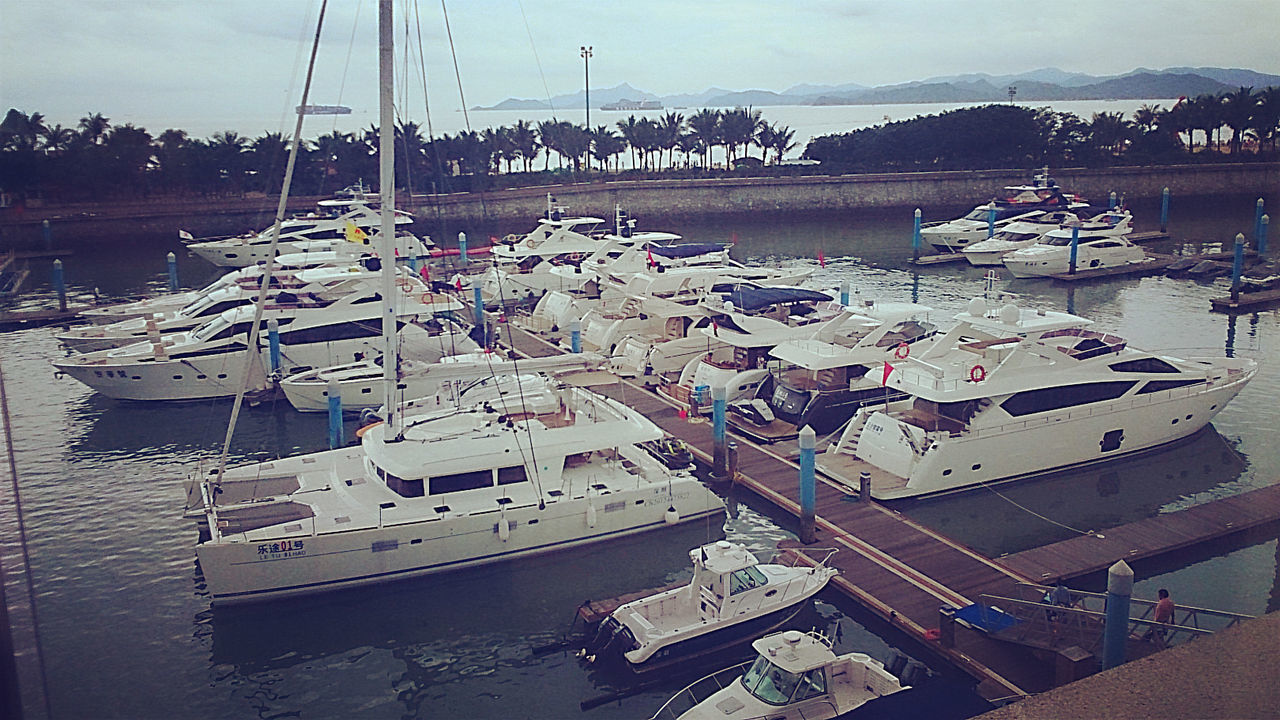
244,570
1032,447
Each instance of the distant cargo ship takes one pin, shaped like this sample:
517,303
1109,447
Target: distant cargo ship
625,104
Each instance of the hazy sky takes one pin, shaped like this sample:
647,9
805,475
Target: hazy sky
196,63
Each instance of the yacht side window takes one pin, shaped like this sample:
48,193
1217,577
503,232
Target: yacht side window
745,579
813,684
457,482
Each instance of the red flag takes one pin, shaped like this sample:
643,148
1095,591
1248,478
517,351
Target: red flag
649,251
822,261
457,282
425,272
715,328
887,370
734,238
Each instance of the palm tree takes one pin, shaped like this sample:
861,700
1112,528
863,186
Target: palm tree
605,144
57,139
1238,110
227,150
93,128
1147,117
777,138
705,126
738,127
670,126
630,135
524,139
1267,121
547,137
1110,131
690,144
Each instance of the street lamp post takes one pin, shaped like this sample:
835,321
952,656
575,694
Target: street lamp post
586,72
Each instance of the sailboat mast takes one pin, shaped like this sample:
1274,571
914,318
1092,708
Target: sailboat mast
387,186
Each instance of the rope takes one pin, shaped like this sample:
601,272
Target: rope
1045,518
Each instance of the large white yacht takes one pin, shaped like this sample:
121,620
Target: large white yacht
1095,249
558,468
1013,203
1029,231
1010,392
329,326
347,220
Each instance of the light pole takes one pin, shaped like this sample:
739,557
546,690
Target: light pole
586,72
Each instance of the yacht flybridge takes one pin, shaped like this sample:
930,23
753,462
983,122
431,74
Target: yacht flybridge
1012,392
457,488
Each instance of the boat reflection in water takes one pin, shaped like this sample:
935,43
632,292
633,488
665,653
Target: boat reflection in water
1012,517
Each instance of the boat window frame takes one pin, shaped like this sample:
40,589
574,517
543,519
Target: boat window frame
766,669
747,578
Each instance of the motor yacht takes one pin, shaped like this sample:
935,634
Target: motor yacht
559,468
1028,232
821,381
1009,393
332,325
1013,203
731,597
795,676
1095,250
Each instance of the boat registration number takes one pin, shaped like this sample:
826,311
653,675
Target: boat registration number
281,550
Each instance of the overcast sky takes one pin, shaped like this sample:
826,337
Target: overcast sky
197,63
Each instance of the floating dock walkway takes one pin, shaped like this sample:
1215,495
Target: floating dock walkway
906,573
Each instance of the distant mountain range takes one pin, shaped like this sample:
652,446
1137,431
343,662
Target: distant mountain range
1045,84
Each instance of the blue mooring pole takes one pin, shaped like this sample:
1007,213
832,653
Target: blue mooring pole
1262,234
1237,267
1111,201
719,394
1257,220
479,303
915,237
46,233
1075,248
1116,630
844,291
273,343
575,336
335,414
59,284
808,489
991,221
1164,210
171,261
462,248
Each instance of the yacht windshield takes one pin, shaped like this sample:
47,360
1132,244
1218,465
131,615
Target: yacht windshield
769,682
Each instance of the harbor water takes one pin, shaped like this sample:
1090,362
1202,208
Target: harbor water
126,629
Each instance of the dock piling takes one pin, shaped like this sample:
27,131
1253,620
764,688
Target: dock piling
915,238
864,486
335,414
1237,267
1164,210
1257,219
462,249
1116,630
947,626
575,336
844,291
731,458
1263,223
273,343
808,487
479,303
719,470
46,233
59,283
171,261
1075,247
1111,201
991,221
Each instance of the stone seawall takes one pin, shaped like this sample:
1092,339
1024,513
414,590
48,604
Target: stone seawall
659,198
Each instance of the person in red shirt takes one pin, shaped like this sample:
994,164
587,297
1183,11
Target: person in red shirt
1163,614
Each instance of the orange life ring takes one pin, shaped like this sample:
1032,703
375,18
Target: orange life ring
902,351
428,298
977,374
528,243
406,285
360,433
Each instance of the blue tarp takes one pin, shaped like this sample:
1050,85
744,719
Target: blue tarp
750,299
986,618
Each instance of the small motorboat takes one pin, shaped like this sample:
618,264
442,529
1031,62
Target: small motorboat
731,597
795,675
670,451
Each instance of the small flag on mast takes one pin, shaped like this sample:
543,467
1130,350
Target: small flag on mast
887,370
822,261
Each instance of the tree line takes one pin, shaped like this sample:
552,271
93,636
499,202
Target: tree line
99,160
1241,125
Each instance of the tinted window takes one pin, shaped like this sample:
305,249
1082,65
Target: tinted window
1146,365
1158,385
330,333
461,481
511,475
1065,396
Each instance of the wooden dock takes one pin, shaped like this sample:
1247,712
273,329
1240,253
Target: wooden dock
904,572
1245,301
16,319
1154,264
939,258
1147,538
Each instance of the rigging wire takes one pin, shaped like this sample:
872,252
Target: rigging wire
536,60
458,74
22,541
251,350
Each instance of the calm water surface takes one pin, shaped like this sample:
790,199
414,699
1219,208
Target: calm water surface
127,630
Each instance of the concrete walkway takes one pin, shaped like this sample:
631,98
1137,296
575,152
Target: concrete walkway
1233,674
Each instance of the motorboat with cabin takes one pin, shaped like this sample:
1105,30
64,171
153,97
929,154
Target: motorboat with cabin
1012,203
1027,232
821,381
1095,250
455,488
331,325
795,676
348,219
1010,392
731,597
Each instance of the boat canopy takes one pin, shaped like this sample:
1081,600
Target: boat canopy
685,250
751,299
